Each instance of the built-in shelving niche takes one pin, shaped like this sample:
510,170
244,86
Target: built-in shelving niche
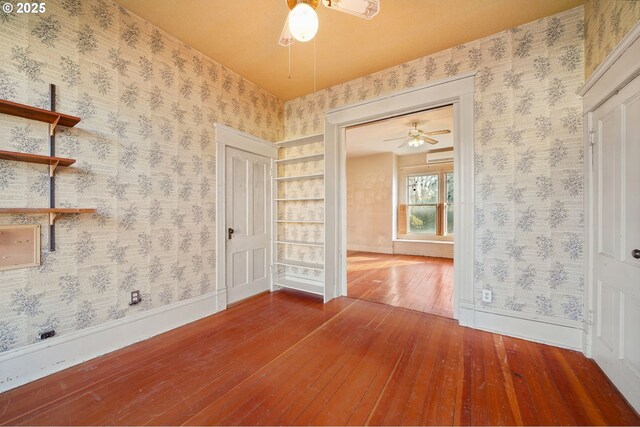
298,247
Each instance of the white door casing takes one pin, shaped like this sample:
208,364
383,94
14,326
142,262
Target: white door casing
248,220
611,103
234,143
616,236
457,90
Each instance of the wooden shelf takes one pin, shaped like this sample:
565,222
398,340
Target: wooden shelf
313,288
52,212
300,159
46,210
300,243
35,158
299,264
38,114
300,177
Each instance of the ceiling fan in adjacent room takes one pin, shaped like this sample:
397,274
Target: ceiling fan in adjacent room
302,21
417,137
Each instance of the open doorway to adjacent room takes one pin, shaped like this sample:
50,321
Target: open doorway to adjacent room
400,222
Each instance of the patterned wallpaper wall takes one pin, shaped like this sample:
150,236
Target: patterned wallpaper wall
528,157
146,161
606,23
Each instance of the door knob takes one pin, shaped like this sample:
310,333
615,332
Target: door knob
635,253
230,233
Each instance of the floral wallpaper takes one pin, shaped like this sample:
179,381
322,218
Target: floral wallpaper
606,23
145,159
529,247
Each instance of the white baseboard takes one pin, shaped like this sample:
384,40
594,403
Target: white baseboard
565,336
370,248
432,249
29,363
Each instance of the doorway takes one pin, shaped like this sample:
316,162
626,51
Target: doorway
456,91
399,211
244,215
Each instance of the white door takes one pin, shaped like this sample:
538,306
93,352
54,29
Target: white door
248,221
616,231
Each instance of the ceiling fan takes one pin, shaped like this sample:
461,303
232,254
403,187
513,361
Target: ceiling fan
416,137
302,21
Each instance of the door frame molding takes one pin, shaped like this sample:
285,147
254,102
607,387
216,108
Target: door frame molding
226,136
618,69
457,90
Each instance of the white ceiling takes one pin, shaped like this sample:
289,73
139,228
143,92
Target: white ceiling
368,139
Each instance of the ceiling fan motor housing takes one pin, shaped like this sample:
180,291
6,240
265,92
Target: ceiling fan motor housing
293,3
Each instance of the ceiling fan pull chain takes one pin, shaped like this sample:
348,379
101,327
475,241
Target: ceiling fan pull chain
289,47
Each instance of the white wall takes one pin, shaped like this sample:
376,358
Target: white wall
370,207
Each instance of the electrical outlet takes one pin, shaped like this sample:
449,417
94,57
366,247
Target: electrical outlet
135,298
486,295
47,334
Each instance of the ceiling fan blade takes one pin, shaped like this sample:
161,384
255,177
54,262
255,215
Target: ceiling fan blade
403,144
285,37
394,139
439,132
429,140
366,9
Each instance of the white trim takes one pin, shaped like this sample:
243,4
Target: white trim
229,137
620,68
617,69
387,249
459,91
43,358
560,335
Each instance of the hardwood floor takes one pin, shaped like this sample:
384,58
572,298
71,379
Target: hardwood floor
415,282
286,358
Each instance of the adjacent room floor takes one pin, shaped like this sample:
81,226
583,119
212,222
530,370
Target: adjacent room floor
415,282
287,358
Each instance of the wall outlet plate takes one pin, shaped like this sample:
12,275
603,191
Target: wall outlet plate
135,297
47,334
486,295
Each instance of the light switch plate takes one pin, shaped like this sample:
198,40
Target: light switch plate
486,295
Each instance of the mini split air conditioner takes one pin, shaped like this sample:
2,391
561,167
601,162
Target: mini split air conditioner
440,157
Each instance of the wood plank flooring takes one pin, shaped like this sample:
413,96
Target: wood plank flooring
415,282
287,359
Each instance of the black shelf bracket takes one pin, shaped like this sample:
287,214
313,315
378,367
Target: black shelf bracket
52,178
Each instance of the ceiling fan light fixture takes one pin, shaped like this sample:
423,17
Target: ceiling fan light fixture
415,142
303,22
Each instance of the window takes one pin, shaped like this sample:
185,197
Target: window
430,204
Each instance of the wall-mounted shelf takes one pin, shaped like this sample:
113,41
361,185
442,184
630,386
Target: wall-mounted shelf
300,159
311,139
301,199
301,221
52,212
300,243
53,118
52,161
299,264
37,114
300,177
